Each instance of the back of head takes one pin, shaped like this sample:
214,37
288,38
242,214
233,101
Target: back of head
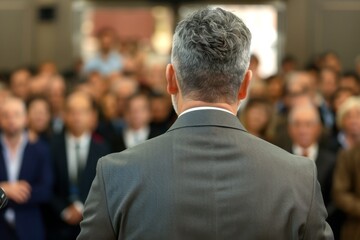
210,54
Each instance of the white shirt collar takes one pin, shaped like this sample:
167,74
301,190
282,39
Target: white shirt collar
205,108
13,162
83,140
135,137
312,151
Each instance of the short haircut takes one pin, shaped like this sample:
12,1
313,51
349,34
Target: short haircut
349,104
92,102
353,75
210,54
311,107
14,99
136,95
35,98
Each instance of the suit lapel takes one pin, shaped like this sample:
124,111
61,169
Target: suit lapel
63,161
89,157
3,172
26,162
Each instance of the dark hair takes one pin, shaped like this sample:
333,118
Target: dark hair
351,74
104,31
267,131
35,98
288,58
93,105
139,94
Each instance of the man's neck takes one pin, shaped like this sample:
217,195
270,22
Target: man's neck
194,104
13,141
76,135
105,53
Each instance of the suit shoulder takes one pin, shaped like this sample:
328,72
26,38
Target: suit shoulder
278,160
40,147
138,154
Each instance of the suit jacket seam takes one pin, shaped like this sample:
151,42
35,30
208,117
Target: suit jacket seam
312,199
105,199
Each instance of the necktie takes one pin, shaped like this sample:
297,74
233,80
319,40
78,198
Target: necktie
75,180
79,164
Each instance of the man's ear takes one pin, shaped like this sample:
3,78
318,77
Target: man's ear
245,85
172,85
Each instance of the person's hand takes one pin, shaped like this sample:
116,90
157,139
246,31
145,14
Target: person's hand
72,215
19,191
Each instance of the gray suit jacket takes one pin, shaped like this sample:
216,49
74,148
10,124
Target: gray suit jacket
205,179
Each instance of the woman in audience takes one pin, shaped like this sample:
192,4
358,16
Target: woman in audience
346,181
257,117
348,122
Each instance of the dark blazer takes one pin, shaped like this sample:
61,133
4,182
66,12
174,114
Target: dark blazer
206,178
60,201
325,165
36,170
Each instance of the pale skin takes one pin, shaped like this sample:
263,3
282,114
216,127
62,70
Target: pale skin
184,103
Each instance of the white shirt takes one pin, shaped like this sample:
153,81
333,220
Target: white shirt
205,108
83,142
13,165
135,137
312,151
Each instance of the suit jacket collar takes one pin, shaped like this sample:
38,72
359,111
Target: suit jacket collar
207,118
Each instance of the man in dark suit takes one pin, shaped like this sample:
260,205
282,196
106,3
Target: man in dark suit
137,127
75,154
305,130
206,178
25,176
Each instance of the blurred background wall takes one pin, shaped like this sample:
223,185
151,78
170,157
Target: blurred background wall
33,31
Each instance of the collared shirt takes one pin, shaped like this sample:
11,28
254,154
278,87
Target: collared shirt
13,164
135,137
312,151
205,108
76,147
105,66
341,138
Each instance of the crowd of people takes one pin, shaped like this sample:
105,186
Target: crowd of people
55,127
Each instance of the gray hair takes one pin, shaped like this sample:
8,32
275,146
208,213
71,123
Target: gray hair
347,106
210,54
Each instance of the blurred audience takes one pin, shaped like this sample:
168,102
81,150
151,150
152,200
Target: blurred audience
346,190
39,117
257,117
118,98
137,127
20,82
56,95
25,175
346,186
107,61
348,122
163,115
305,130
351,81
75,153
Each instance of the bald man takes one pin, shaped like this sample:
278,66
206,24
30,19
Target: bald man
305,129
25,175
75,153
